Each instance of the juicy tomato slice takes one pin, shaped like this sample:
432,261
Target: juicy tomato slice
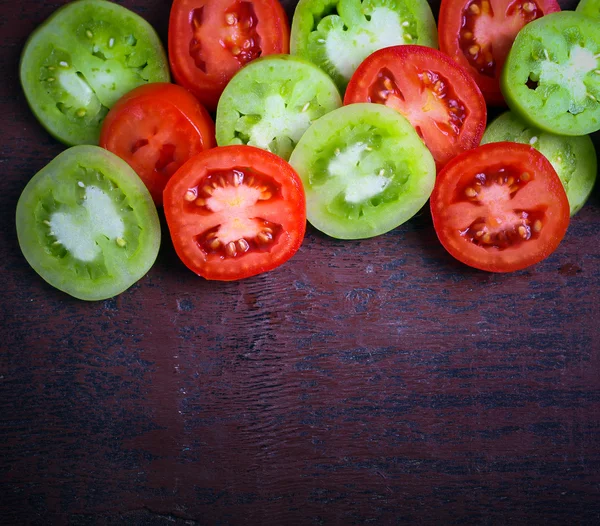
478,34
234,212
500,207
156,128
210,40
439,98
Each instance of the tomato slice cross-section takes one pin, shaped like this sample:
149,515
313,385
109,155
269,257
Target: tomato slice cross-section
210,40
234,212
500,207
478,34
439,98
156,128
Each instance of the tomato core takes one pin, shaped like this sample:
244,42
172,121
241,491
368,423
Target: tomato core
499,225
232,195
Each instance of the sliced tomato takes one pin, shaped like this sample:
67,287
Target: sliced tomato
500,207
478,34
156,128
234,212
437,96
210,40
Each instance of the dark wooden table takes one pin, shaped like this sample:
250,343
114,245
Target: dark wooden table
370,381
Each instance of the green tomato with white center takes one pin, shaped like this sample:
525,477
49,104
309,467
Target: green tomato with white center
551,77
87,224
271,103
337,35
84,58
573,158
365,171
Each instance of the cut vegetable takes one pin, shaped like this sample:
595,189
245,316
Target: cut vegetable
478,34
337,35
500,207
234,212
573,158
87,224
210,40
271,103
156,128
552,74
79,62
438,97
365,171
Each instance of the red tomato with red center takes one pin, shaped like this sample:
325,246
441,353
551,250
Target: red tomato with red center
156,128
500,207
210,40
478,34
439,98
234,212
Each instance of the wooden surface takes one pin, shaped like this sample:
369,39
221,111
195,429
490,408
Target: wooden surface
369,381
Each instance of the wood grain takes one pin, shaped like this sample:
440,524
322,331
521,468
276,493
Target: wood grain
374,381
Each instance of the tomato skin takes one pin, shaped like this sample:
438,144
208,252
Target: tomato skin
207,80
287,210
141,115
543,195
408,64
450,23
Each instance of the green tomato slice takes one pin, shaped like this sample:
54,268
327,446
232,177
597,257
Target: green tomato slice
87,224
589,8
573,158
79,62
365,171
272,101
552,74
337,35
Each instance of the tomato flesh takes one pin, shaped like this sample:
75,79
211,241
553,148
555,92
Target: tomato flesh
235,211
239,36
500,207
156,128
478,34
210,40
438,97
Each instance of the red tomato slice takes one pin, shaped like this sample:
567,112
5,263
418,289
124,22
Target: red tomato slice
234,212
438,97
500,207
478,34
210,40
155,128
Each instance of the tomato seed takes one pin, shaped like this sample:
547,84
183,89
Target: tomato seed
230,249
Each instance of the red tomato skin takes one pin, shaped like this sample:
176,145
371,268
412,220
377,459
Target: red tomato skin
291,215
489,157
449,25
272,27
398,59
146,101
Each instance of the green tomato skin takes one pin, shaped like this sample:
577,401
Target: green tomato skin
359,33
566,100
365,171
589,8
573,158
81,60
58,190
271,102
